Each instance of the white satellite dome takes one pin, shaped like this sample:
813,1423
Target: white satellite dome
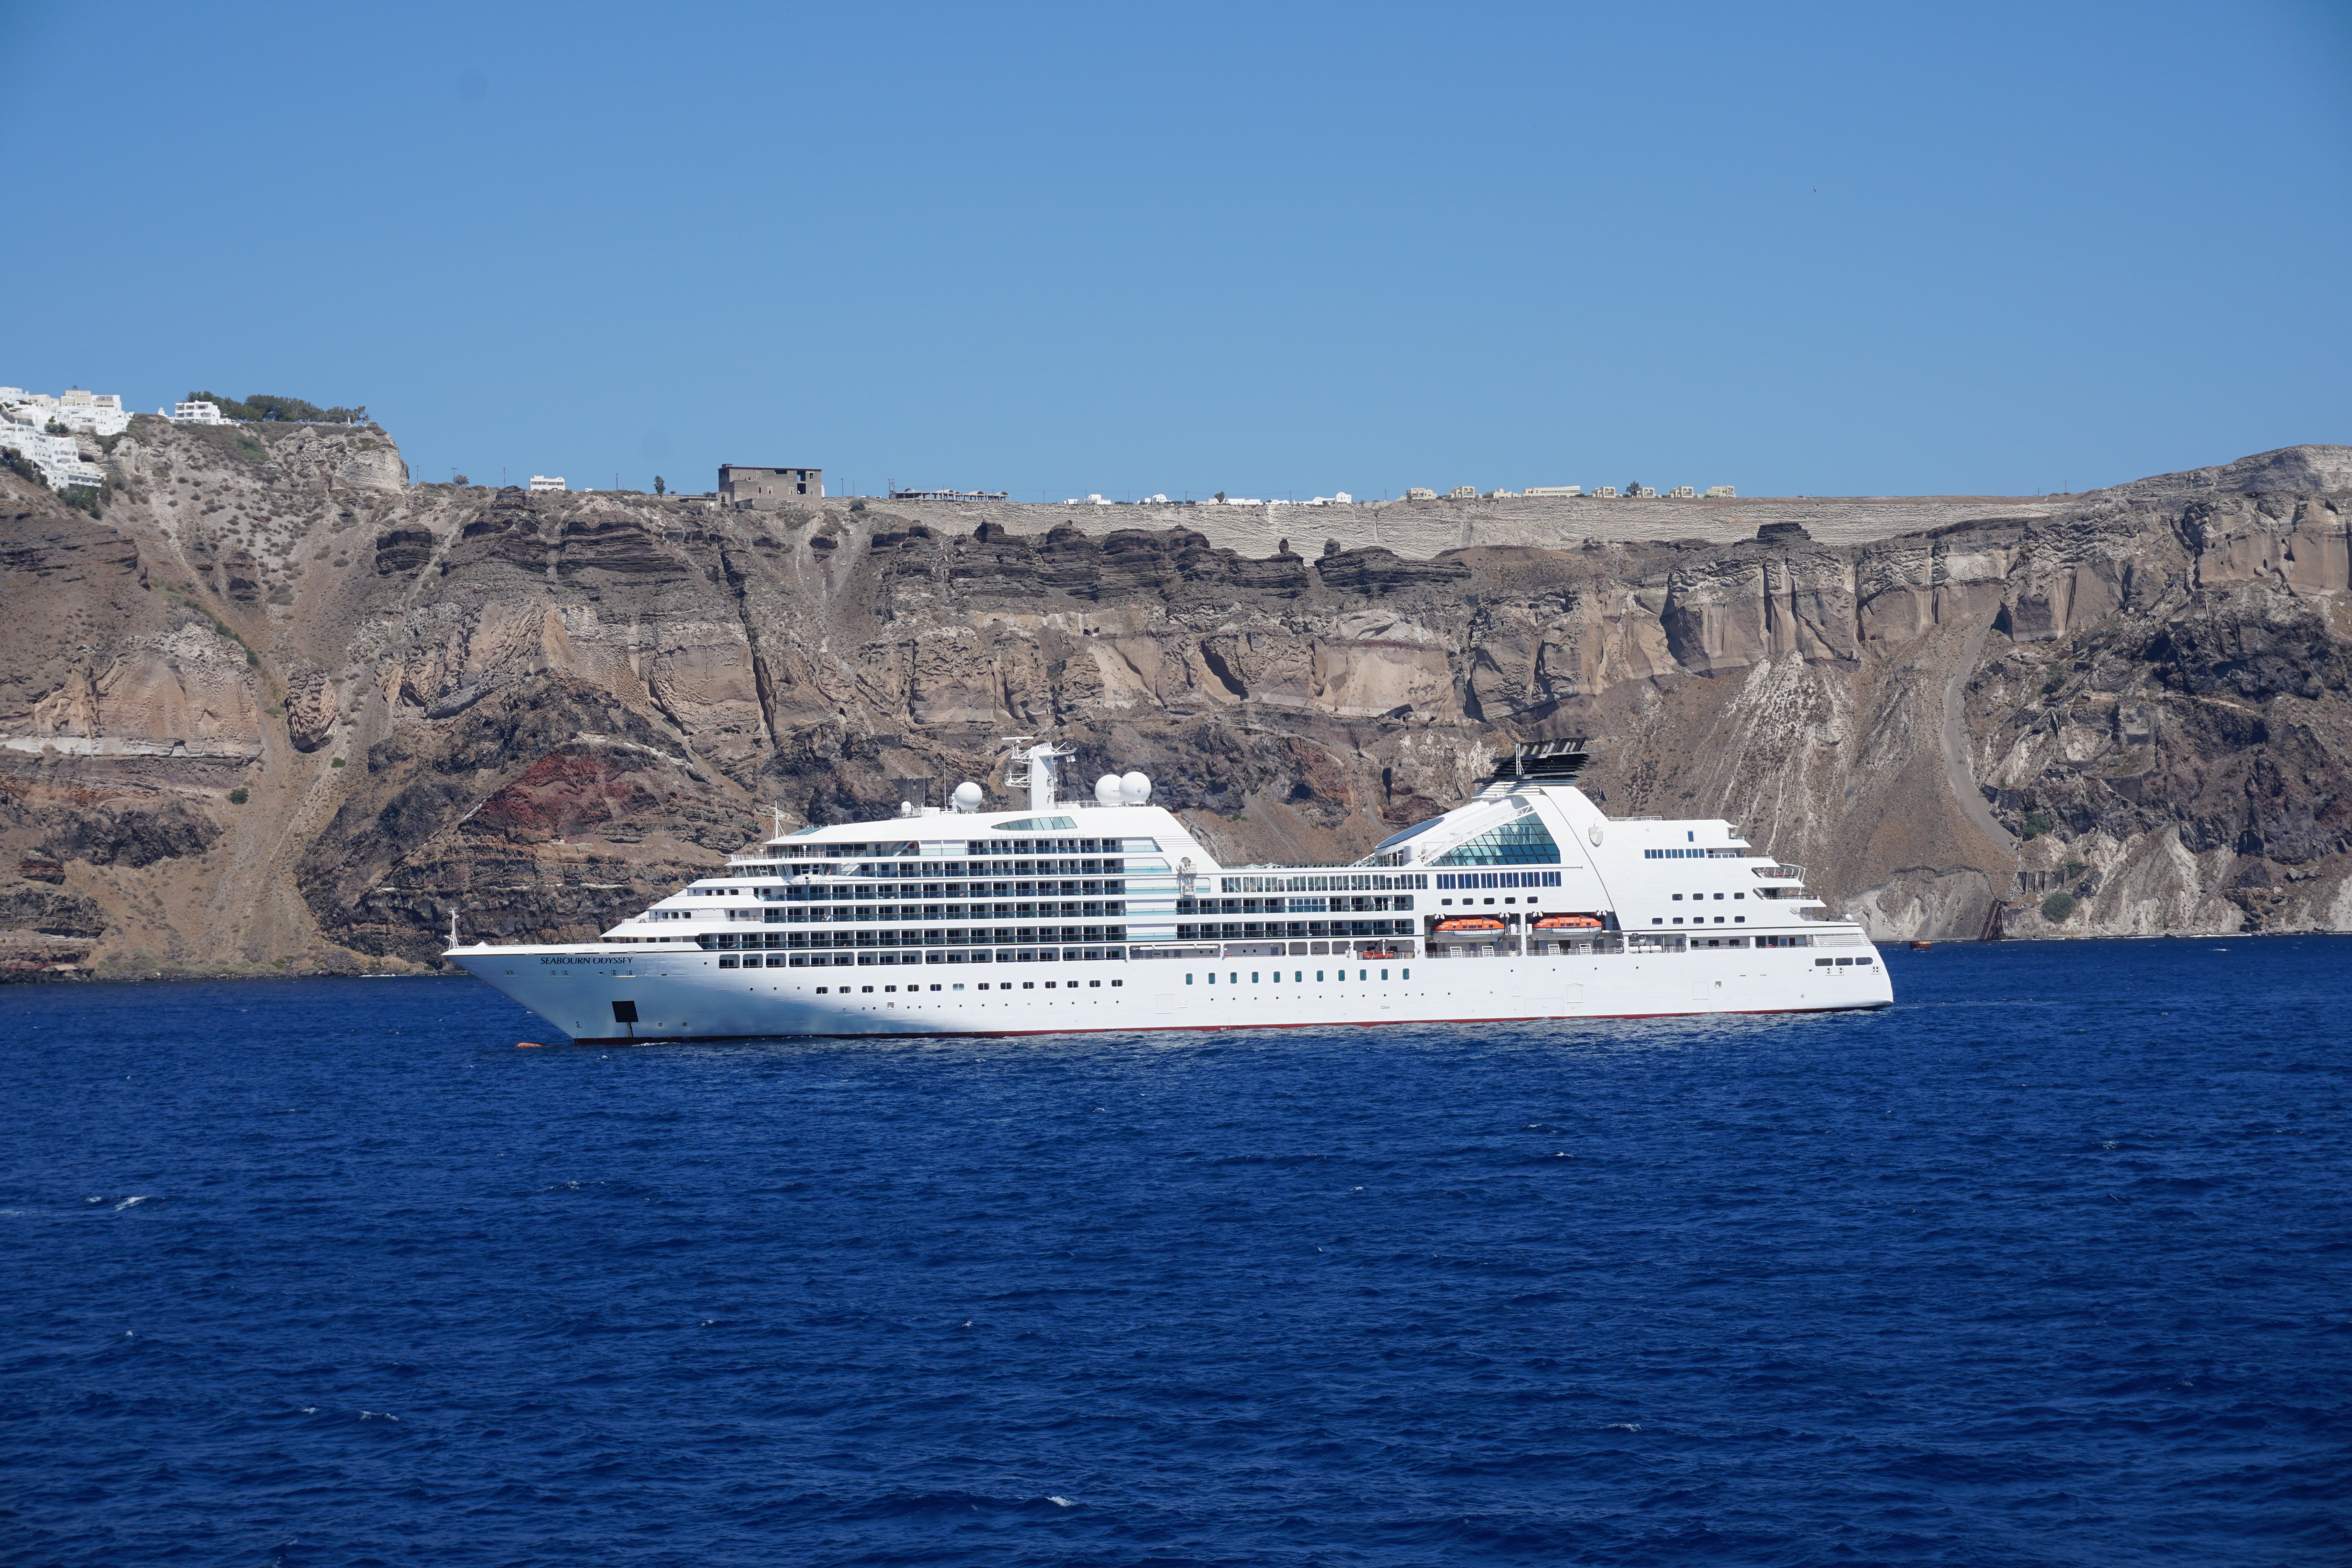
967,795
1107,790
1134,788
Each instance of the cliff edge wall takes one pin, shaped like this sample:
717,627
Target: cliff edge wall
276,709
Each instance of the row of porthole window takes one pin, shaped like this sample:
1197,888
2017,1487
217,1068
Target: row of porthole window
1298,976
1001,986
1701,919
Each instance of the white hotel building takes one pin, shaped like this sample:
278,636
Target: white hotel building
94,413
25,419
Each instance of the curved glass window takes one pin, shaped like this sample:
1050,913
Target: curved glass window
1523,841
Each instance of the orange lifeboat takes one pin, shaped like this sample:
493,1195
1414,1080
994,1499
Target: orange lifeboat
1568,923
1470,923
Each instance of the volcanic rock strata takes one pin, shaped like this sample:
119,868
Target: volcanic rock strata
277,709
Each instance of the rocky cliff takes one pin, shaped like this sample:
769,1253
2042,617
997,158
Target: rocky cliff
276,707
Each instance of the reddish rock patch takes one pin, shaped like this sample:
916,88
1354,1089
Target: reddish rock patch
567,792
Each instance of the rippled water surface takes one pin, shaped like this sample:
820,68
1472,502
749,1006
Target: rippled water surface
2052,1264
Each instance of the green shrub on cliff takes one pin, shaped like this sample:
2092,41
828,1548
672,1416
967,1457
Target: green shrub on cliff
2057,907
263,407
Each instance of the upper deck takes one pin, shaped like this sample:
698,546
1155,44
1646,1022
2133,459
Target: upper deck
1529,867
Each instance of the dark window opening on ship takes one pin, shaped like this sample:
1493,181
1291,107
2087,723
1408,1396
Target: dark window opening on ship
1028,985
866,987
823,991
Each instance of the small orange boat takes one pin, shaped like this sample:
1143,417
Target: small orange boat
1471,922
1568,923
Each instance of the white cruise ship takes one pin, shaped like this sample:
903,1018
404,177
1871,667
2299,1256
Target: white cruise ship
1070,916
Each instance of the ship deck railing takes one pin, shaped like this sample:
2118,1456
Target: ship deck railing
1606,944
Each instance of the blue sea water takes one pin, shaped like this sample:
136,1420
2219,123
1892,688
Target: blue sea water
2048,1264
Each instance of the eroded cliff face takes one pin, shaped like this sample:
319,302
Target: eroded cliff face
278,709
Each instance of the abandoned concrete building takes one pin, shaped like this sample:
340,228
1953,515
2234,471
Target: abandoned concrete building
765,490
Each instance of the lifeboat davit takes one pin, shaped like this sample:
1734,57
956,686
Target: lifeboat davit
1568,923
1470,923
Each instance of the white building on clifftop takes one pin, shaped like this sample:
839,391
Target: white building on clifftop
95,413
23,430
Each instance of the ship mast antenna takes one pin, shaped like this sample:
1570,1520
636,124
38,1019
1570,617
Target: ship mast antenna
1036,770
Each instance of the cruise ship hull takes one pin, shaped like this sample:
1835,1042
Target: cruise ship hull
607,996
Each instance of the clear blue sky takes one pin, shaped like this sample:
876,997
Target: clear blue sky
1265,249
